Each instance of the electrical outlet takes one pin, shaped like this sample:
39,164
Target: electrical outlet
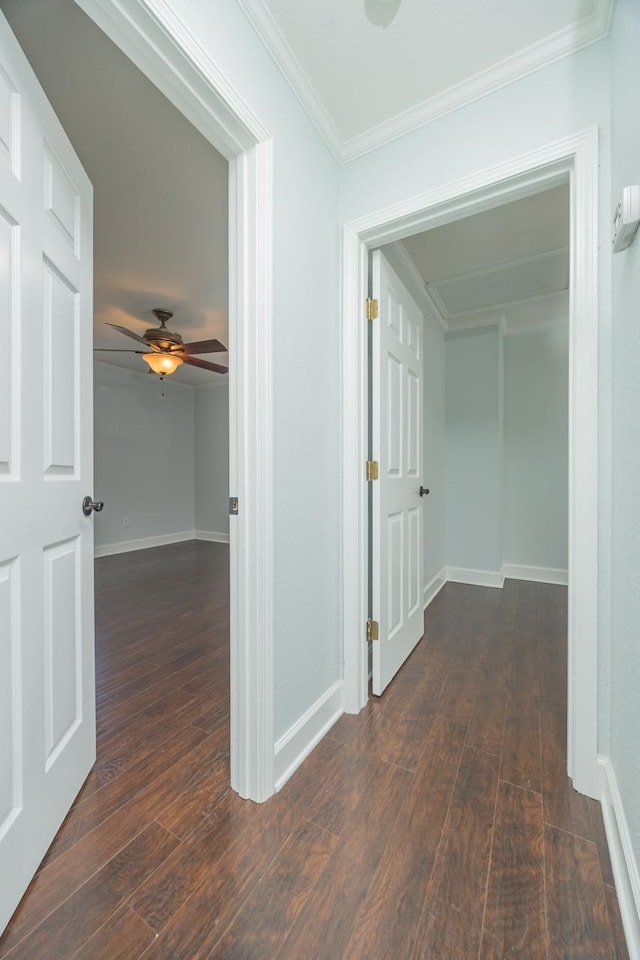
125,521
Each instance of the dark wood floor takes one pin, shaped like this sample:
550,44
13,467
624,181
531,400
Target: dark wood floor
438,824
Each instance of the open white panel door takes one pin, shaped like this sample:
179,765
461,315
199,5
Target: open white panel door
47,698
396,384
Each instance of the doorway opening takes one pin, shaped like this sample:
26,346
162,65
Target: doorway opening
469,400
176,66
170,59
161,445
573,160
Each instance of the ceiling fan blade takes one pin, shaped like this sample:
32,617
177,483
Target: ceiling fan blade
205,365
203,346
115,350
127,333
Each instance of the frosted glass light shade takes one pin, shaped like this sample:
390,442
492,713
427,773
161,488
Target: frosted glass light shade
162,363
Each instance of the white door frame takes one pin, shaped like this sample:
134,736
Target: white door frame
574,158
157,42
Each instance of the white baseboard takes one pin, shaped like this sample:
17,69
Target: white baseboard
625,868
515,571
298,742
434,587
213,536
477,578
128,546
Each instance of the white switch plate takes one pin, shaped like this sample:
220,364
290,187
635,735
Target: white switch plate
626,219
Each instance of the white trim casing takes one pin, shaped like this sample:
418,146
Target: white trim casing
623,861
434,587
475,578
516,571
355,546
582,719
563,43
251,474
298,742
146,543
212,536
155,39
508,571
575,158
129,546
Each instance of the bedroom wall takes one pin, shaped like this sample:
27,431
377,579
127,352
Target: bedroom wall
160,461
506,442
473,446
535,499
144,459
211,428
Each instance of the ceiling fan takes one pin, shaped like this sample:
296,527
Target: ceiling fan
166,349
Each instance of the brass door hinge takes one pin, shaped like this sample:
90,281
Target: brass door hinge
372,470
373,629
372,309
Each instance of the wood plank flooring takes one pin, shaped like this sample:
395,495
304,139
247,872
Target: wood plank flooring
439,823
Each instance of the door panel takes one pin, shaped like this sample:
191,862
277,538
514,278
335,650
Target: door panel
397,444
47,700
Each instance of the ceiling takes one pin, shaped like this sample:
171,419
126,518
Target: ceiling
510,263
365,84
160,189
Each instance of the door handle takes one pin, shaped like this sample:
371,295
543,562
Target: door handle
88,505
423,491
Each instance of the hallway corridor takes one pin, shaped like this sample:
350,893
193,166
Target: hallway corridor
439,823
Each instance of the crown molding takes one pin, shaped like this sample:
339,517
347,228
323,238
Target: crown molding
558,45
555,47
500,308
536,326
505,267
501,313
495,321
399,258
430,302
261,19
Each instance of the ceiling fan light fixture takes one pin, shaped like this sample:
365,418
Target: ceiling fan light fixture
381,13
162,363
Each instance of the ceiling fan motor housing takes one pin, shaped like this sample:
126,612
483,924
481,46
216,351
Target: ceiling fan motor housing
160,336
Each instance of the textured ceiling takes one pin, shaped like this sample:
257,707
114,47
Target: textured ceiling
365,83
160,190
513,259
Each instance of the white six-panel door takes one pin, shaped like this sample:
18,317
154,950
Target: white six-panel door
47,701
396,545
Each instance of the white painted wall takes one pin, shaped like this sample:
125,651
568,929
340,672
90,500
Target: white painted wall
161,461
212,459
144,456
558,101
473,445
506,442
306,374
625,661
535,452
